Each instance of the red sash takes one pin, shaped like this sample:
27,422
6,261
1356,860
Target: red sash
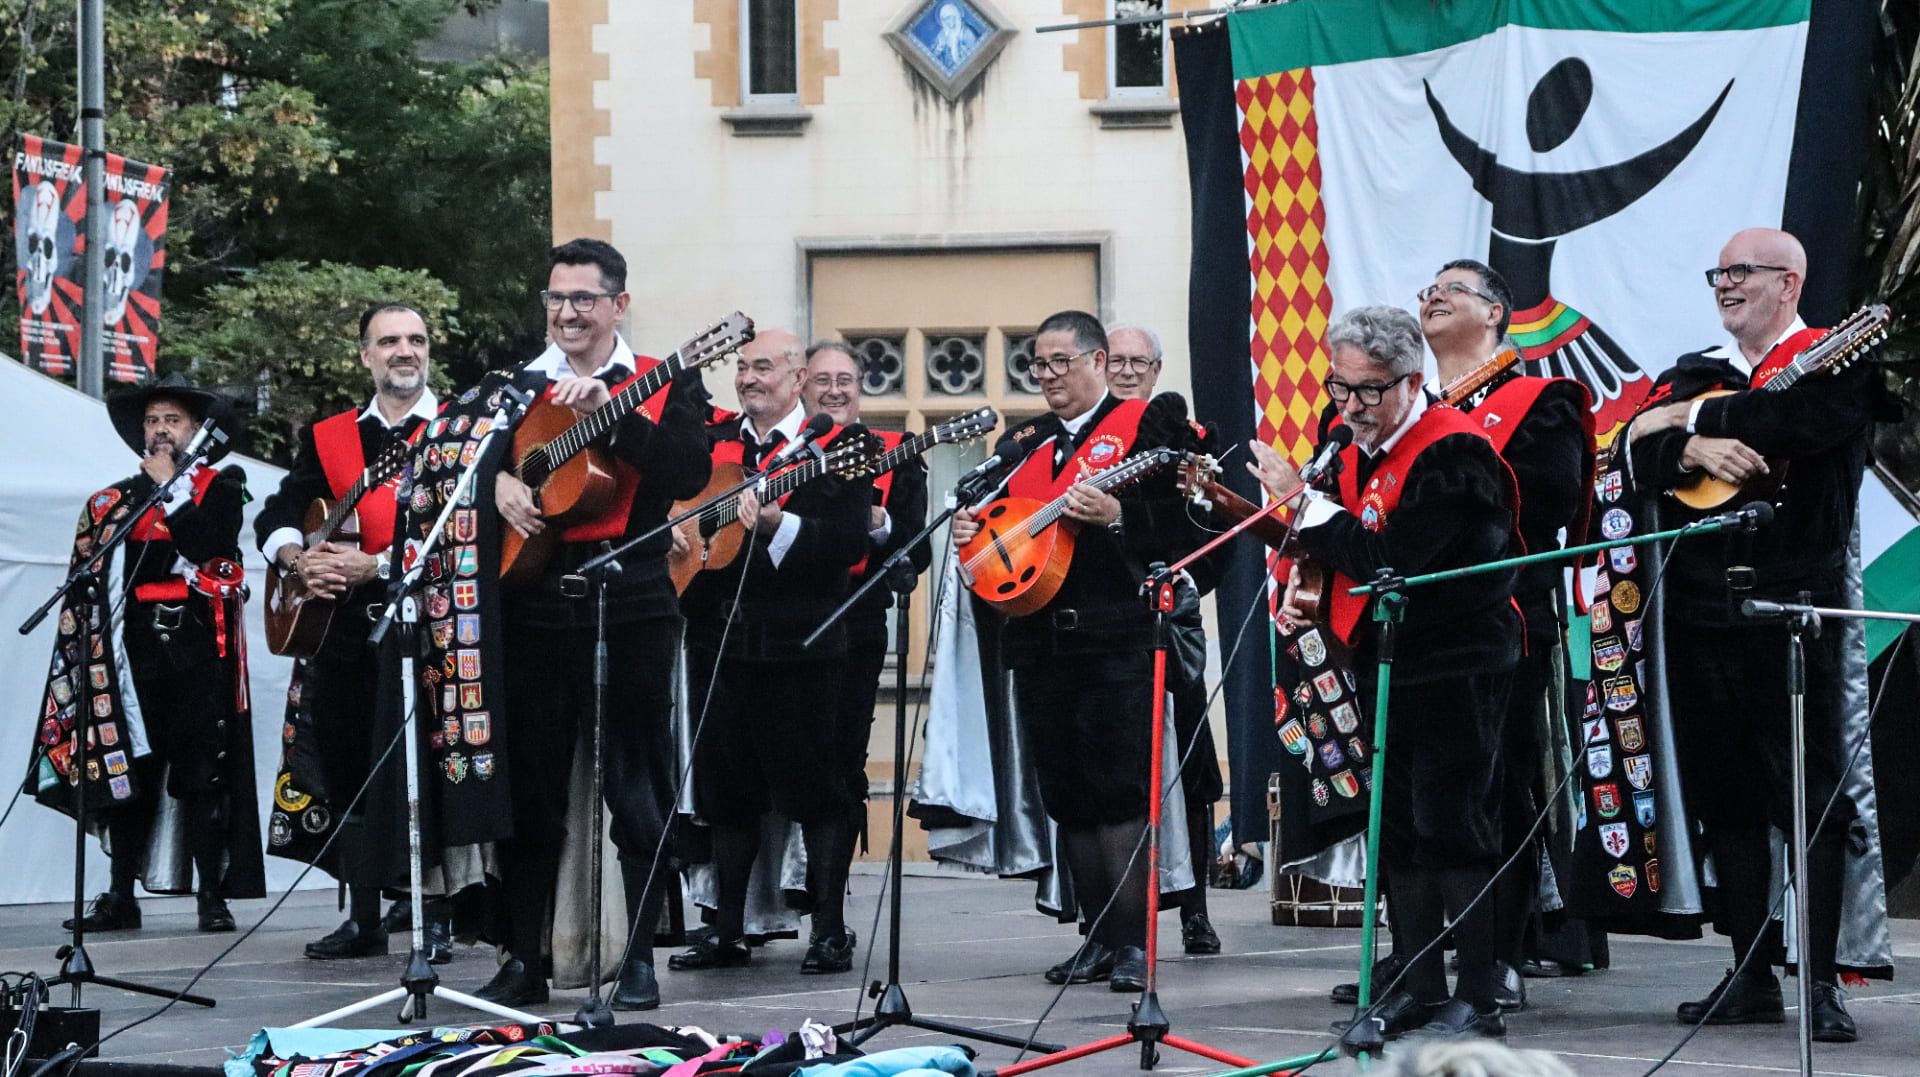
1382,495
882,489
612,523
1504,409
1107,444
153,526
337,440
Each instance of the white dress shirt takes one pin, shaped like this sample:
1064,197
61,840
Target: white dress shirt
789,529
426,407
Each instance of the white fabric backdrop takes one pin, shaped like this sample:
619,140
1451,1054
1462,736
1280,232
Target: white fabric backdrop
62,448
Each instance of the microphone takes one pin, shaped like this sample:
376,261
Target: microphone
209,430
816,426
1337,439
1013,447
1749,517
1759,608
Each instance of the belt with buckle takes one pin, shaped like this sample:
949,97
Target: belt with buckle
168,618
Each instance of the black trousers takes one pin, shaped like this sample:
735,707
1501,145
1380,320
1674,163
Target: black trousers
770,737
1089,720
867,642
1442,804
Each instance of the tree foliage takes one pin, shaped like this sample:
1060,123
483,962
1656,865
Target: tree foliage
307,137
289,332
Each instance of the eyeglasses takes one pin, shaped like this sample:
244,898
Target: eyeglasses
1056,366
582,302
1452,287
830,381
1128,364
1370,395
1738,272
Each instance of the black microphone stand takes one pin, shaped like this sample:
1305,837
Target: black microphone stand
594,1011
76,966
893,1009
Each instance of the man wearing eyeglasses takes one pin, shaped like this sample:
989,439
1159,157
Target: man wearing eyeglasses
1421,488
767,739
898,511
660,456
1543,429
1727,680
1081,666
1133,369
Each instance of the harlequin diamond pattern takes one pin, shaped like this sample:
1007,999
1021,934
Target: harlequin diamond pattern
1287,256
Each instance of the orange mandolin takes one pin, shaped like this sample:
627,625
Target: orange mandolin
1019,559
561,455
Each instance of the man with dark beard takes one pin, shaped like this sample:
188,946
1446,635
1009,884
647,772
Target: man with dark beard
338,683
166,671
1421,488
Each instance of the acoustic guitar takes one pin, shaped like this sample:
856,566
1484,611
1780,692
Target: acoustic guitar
297,619
714,535
562,456
1019,559
1841,345
1199,479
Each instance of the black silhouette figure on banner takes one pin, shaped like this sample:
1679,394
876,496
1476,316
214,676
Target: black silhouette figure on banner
1533,210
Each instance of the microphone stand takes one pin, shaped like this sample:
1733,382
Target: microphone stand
1389,588
76,967
419,980
893,1008
1803,620
593,1011
594,563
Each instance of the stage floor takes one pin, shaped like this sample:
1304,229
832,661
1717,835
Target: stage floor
974,953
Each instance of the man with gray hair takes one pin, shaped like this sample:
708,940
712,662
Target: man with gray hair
1133,365
1421,488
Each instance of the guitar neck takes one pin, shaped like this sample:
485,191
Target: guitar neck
594,426
905,451
778,486
1479,377
1126,472
341,510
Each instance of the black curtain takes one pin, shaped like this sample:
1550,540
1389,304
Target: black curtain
1831,137
1219,295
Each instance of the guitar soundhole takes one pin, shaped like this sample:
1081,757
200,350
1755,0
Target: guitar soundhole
996,512
1027,575
1007,588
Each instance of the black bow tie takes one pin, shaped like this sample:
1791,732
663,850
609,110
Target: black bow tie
761,451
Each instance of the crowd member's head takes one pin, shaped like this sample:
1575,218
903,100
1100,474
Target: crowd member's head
768,374
1376,370
394,349
1133,361
586,296
833,382
1466,310
1070,362
1757,286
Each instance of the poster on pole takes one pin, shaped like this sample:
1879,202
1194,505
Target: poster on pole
49,238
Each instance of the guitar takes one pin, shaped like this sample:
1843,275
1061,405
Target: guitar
1019,559
1199,479
1464,386
714,535
1841,345
297,619
558,454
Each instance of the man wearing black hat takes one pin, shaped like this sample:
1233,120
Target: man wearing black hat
162,691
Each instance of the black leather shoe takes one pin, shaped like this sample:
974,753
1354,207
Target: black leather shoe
710,953
639,987
1398,1012
108,912
1384,970
1509,991
1831,1022
1129,970
514,985
831,954
1753,999
1197,935
398,919
1546,968
348,940
214,914
1457,1019
438,941
1090,964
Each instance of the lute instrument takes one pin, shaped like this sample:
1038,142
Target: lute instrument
714,535
1841,345
296,618
1020,558
1199,479
1463,387
561,455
